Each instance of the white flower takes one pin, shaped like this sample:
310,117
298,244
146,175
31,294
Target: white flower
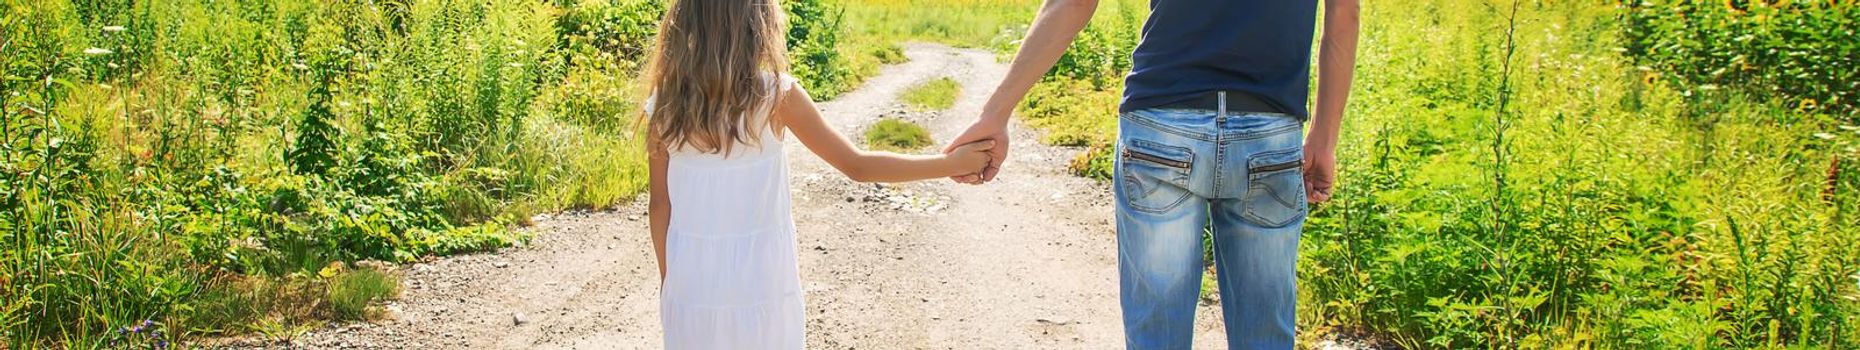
114,29
97,51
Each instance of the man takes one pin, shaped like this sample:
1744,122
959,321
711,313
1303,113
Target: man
1209,135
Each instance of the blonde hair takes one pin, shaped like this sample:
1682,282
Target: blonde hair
716,63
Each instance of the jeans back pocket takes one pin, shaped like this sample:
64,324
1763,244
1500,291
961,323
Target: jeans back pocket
1153,176
1275,194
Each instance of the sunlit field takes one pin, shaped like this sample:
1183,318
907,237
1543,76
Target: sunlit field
1515,175
1559,175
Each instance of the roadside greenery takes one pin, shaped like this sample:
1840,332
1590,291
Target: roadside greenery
1793,54
201,168
1641,176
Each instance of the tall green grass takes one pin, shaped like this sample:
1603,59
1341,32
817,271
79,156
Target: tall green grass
961,23
1598,205
213,167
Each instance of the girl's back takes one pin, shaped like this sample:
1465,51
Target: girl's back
721,225
730,255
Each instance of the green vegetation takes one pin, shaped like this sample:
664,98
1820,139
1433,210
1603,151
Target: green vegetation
960,23
893,134
1565,175
350,293
1552,187
1791,53
224,167
934,95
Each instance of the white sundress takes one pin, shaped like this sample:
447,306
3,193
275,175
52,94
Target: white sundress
731,277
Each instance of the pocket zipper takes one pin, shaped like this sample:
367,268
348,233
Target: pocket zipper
1155,159
1277,167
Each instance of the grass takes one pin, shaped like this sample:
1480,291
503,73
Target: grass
960,23
1601,206
934,95
894,134
352,293
199,166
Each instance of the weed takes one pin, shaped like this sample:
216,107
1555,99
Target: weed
934,95
896,135
352,292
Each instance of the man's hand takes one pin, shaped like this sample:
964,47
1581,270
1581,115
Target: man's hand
985,128
1047,38
1320,173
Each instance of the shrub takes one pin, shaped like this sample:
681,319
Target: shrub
1801,54
207,160
814,29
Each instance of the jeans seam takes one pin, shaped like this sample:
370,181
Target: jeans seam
1165,128
1262,134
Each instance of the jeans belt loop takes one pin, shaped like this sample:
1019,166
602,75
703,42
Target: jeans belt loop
1220,116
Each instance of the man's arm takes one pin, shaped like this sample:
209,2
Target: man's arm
1336,63
1052,32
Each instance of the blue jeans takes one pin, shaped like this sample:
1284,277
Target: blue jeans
1180,171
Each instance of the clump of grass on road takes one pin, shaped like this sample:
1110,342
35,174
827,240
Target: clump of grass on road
934,95
895,134
351,293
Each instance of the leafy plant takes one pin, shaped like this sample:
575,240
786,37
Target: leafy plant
1804,54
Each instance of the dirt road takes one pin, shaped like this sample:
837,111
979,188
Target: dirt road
1028,261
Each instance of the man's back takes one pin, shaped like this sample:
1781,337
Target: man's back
1261,48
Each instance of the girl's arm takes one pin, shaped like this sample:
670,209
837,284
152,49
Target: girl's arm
660,206
796,112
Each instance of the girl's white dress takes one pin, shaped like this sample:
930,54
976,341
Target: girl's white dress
731,277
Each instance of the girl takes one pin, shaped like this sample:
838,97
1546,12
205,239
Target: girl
720,111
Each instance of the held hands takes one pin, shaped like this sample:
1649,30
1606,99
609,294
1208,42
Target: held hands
984,129
974,155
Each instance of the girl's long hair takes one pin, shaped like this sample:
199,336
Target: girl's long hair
716,64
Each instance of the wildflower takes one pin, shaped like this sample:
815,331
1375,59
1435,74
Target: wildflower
97,51
1806,104
114,29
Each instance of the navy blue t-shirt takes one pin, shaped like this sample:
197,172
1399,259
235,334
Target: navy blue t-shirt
1257,47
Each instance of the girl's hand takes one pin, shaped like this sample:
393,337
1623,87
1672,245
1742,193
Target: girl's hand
973,157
